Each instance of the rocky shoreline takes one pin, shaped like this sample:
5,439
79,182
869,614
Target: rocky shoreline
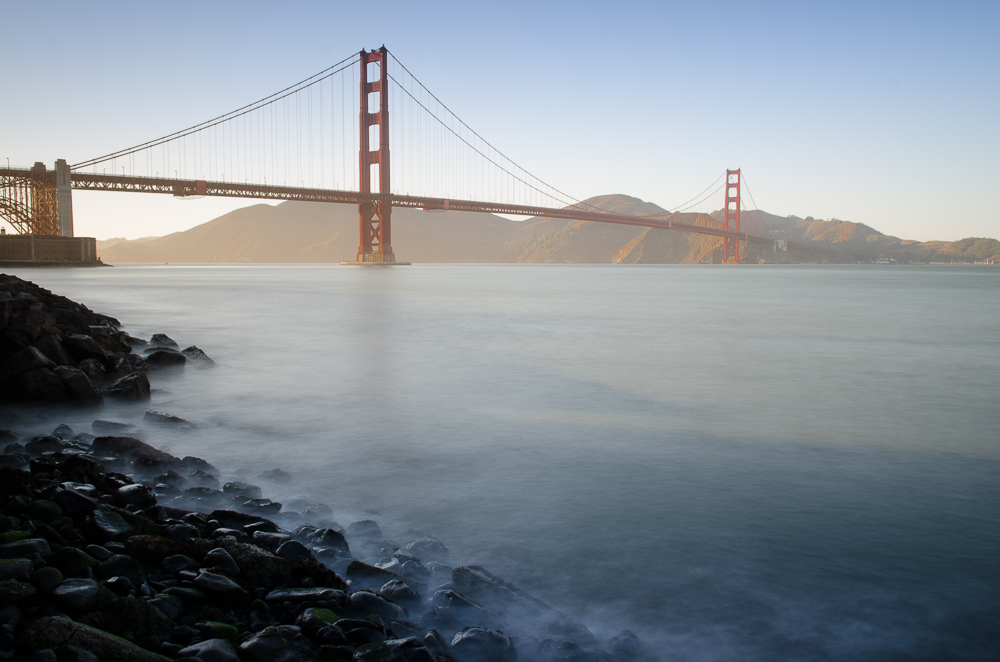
112,549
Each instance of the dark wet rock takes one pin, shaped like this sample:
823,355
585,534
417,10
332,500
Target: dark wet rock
162,418
155,549
74,503
282,643
44,510
83,347
361,631
169,605
329,539
163,340
14,592
492,592
137,616
210,650
222,588
258,567
295,595
51,346
415,570
330,635
73,562
242,490
165,358
427,548
362,575
19,569
41,384
188,595
231,533
410,649
134,386
293,551
122,565
458,610
101,426
317,511
277,475
365,528
25,548
46,579
191,464
13,448
270,541
55,632
195,355
131,447
46,444
364,603
313,619
29,358
626,645
63,432
397,591
178,562
119,585
475,644
135,495
219,557
98,552
109,526
77,596
78,385
182,532
93,368
199,478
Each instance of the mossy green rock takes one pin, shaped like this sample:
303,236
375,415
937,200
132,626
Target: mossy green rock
137,616
376,652
73,562
13,536
44,510
47,579
217,630
55,632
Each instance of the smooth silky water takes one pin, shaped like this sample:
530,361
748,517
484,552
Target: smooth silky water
754,463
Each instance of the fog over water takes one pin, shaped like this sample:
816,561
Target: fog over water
754,463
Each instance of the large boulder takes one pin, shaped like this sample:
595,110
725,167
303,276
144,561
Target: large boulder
165,358
481,645
50,345
78,385
29,358
84,347
41,384
55,632
210,650
134,386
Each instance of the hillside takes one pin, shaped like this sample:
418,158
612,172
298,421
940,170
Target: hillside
322,233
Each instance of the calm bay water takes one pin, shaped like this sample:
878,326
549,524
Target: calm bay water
755,463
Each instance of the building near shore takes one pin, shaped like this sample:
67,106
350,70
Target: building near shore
47,248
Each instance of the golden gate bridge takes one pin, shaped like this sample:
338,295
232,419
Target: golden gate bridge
302,144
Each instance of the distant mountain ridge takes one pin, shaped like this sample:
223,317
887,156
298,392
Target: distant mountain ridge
303,232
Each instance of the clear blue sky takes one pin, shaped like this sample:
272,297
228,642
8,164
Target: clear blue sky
881,113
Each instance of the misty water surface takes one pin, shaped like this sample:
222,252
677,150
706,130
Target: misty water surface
756,463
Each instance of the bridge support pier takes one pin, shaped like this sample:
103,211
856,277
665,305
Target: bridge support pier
64,198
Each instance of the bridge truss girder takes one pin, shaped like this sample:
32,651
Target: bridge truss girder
29,201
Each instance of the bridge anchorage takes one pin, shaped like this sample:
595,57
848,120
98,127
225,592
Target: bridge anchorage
306,143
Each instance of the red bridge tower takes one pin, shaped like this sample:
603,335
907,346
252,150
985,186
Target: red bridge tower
731,222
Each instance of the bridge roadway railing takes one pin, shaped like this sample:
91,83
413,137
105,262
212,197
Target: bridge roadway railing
682,222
